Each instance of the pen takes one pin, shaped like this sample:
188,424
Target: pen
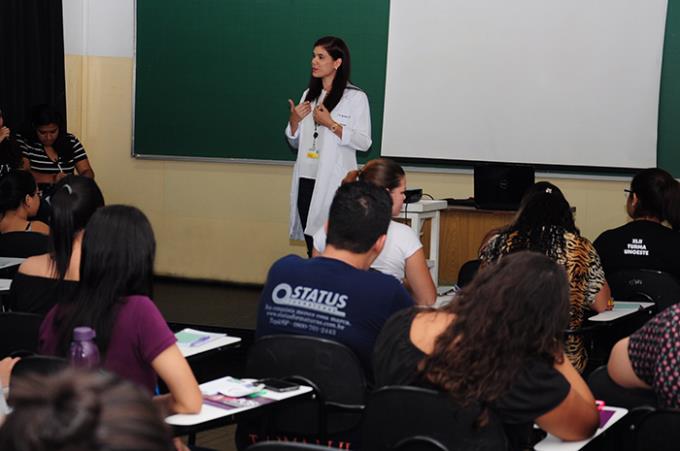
200,341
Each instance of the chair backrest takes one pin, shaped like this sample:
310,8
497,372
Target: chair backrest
19,333
604,388
22,244
467,272
658,430
396,415
645,285
331,367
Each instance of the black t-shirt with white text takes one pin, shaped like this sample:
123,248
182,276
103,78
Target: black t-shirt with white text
640,245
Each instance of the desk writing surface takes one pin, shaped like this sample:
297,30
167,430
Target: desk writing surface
620,310
6,262
552,443
209,412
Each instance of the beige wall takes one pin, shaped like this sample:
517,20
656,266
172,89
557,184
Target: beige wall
230,221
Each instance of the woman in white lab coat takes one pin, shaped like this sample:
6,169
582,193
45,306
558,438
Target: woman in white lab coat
331,122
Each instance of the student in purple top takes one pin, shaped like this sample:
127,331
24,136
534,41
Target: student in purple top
134,340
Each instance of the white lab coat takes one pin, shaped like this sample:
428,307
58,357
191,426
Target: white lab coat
336,157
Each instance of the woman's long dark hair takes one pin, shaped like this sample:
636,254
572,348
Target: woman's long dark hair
543,217
14,187
658,196
336,48
381,172
117,261
45,115
511,312
74,201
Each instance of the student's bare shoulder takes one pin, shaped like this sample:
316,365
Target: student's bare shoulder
39,265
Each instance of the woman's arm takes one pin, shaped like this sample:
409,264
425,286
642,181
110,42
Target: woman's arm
173,368
620,368
419,279
602,299
83,167
576,417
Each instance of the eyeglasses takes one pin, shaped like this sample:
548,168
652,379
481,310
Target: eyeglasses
627,192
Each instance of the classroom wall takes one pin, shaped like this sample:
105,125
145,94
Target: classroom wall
220,221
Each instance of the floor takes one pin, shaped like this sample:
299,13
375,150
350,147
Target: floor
213,304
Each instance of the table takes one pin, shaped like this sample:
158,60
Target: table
417,213
217,342
212,417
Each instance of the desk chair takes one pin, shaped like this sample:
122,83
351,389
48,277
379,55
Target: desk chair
413,418
331,368
604,388
467,272
645,285
658,430
19,333
22,244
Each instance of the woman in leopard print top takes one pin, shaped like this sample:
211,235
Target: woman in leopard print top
545,223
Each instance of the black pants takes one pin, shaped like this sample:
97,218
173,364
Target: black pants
304,198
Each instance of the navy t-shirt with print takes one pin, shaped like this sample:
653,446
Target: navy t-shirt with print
328,298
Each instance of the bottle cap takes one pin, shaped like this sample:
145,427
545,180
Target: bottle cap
83,333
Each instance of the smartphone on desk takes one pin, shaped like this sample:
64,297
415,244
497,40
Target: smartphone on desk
278,385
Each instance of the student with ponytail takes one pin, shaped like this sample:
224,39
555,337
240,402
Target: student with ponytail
645,242
403,254
19,201
44,279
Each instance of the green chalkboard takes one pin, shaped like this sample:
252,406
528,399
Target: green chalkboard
213,77
668,145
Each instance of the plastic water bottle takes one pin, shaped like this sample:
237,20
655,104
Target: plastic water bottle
84,352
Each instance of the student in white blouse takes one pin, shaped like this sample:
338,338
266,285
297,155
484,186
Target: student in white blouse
402,256
331,122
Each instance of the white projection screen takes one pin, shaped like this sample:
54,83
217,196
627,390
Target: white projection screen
546,82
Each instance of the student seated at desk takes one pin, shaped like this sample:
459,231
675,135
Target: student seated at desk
78,411
116,270
649,358
19,201
545,223
44,279
645,243
334,295
403,253
499,344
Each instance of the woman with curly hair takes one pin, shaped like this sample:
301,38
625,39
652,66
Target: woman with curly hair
545,224
497,346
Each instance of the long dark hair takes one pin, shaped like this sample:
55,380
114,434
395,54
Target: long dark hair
381,172
45,115
658,196
74,201
543,217
511,312
336,48
82,411
14,187
117,261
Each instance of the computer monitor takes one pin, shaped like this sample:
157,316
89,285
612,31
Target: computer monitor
501,186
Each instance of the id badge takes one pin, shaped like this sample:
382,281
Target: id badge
313,154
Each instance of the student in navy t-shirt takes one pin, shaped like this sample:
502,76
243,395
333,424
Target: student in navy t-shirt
335,296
